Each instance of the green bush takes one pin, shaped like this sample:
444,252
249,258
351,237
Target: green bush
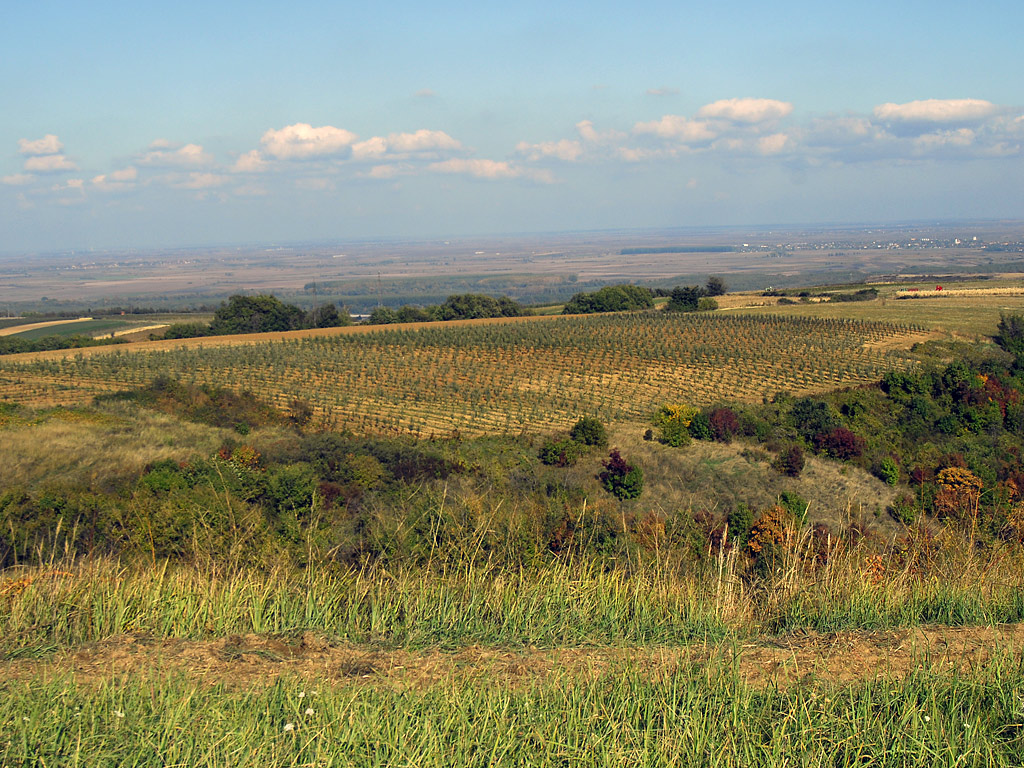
621,479
589,431
561,453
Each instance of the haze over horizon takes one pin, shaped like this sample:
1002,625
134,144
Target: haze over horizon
135,125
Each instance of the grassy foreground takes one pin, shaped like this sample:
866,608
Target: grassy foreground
558,605
691,716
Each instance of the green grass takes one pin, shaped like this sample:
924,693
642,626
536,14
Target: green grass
691,716
564,604
557,606
83,328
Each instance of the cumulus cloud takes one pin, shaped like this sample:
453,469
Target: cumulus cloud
677,128
251,162
937,111
587,132
476,167
162,153
420,142
565,149
374,147
387,171
930,142
479,168
772,145
17,179
49,164
122,179
301,141
746,110
77,185
48,145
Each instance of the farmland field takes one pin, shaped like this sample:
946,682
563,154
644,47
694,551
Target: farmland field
497,377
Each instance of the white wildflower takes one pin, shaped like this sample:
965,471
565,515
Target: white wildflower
288,727
309,711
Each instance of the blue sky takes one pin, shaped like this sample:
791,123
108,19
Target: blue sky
141,125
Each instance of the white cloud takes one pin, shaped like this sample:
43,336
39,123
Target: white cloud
677,128
403,144
122,179
388,171
125,174
586,131
478,168
746,110
662,91
772,145
49,163
929,142
374,147
251,162
189,155
565,149
422,140
302,140
937,111
490,169
71,185
48,145
17,179
425,93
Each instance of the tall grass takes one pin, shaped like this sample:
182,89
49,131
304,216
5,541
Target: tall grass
688,716
562,603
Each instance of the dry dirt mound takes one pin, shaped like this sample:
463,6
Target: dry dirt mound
253,660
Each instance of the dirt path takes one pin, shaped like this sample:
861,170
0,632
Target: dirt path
11,330
253,661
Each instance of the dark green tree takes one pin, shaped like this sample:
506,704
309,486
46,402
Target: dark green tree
256,314
685,298
715,286
589,431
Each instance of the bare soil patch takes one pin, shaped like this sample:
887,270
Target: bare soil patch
255,660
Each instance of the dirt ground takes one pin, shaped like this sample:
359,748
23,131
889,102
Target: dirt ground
253,661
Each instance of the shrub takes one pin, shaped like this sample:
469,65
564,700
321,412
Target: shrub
889,471
621,479
589,431
795,504
561,453
724,424
791,461
904,509
674,422
840,444
740,521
